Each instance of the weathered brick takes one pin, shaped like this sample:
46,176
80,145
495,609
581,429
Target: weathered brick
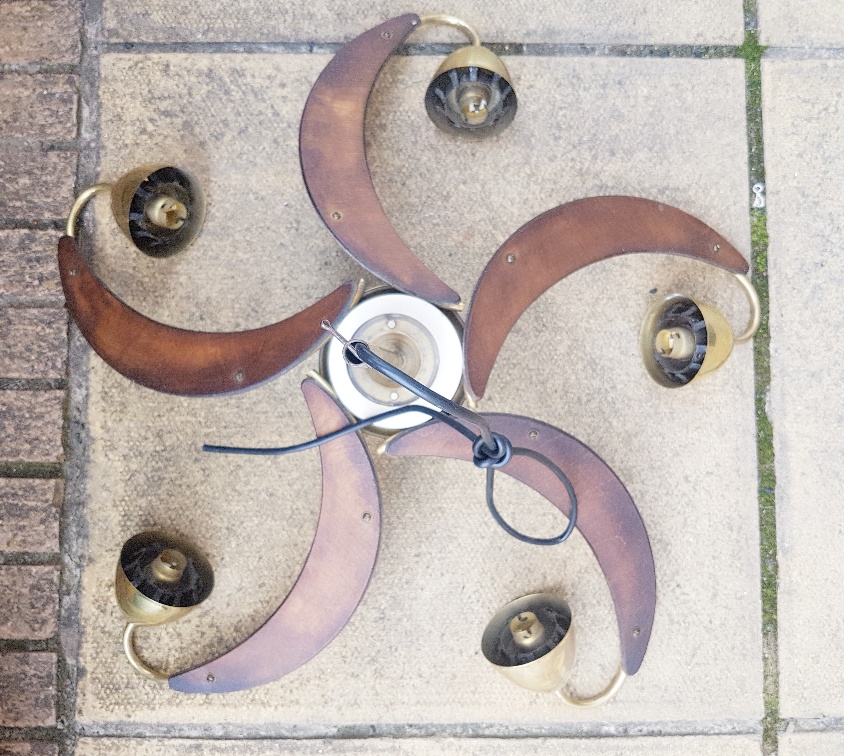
10,748
29,514
41,106
31,425
31,602
27,690
36,185
33,343
39,31
28,269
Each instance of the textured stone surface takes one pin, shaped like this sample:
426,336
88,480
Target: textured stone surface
35,185
29,514
810,23
39,31
693,746
33,343
28,270
38,106
804,153
616,21
27,690
31,425
619,126
811,744
30,602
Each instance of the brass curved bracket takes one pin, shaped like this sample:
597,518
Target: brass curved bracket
605,695
137,663
755,308
443,19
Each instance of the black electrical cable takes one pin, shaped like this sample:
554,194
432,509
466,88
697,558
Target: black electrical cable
490,451
345,430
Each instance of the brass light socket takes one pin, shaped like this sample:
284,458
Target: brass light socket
160,578
539,660
682,339
471,93
160,208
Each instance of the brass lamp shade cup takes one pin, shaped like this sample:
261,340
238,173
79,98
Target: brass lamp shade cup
160,208
471,93
554,655
683,339
160,578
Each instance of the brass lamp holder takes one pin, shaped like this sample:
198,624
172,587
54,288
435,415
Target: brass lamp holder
683,339
159,208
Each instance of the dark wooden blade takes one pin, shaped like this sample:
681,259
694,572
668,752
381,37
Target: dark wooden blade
334,577
560,241
607,517
190,363
334,167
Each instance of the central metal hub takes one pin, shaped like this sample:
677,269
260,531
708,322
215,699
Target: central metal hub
409,333
406,344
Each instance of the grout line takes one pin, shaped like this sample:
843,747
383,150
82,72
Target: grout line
45,645
752,53
413,731
21,469
29,558
438,49
32,384
31,224
72,529
39,68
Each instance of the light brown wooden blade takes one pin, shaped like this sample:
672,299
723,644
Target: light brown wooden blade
334,167
190,363
560,241
607,517
334,577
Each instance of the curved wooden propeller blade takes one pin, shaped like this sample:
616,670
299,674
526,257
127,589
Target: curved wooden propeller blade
335,575
607,517
334,167
190,363
565,239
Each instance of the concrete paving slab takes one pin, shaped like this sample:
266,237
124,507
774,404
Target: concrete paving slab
811,744
623,126
809,23
617,22
739,745
804,153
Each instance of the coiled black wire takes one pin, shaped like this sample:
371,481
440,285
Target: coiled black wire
490,451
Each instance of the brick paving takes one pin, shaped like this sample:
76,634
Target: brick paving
40,52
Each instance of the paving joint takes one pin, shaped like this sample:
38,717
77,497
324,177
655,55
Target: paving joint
752,53
23,469
571,730
32,384
29,559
